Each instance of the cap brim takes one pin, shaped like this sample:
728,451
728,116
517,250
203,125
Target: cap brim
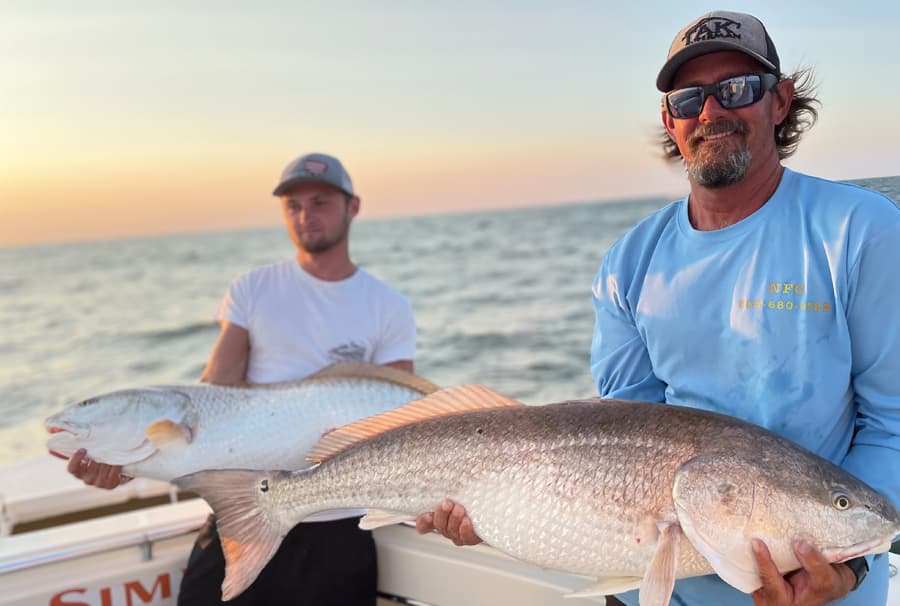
286,185
668,71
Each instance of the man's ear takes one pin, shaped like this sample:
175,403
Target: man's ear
668,123
353,206
782,95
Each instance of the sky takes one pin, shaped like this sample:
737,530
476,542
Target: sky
120,119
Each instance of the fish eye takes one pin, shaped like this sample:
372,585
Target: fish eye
841,501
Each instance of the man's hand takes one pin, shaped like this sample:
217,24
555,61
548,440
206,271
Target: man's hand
96,474
450,520
817,583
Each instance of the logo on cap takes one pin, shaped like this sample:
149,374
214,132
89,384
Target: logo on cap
712,28
315,167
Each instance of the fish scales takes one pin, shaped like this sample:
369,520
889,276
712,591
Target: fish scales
604,488
215,427
508,465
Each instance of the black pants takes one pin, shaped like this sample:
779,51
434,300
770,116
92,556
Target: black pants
317,564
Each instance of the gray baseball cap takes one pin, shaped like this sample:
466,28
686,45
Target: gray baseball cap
316,168
719,31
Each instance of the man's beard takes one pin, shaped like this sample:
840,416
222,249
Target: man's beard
323,243
718,165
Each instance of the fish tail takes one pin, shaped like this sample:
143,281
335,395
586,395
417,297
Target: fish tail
246,518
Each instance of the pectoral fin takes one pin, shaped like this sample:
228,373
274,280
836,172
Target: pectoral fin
659,580
377,518
165,431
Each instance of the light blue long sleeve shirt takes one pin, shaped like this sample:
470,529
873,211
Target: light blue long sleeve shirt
789,318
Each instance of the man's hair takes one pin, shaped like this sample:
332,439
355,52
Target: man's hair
802,115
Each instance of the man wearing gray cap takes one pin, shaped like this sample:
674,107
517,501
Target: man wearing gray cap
285,321
764,294
760,295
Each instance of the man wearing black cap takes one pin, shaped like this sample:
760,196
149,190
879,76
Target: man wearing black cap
761,294
764,294
283,322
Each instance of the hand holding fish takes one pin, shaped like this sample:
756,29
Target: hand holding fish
817,583
96,474
450,520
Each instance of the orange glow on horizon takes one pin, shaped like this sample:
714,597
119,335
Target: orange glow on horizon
134,196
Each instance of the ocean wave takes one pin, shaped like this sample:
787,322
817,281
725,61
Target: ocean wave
164,335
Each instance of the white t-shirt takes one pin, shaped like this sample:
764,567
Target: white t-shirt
299,324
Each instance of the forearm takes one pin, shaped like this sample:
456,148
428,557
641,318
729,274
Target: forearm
230,357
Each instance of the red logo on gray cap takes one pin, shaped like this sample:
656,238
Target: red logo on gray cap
315,167
711,29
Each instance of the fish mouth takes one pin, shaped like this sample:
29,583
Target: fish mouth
835,554
63,440
77,431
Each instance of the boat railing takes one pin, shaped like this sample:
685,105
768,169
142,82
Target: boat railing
144,540
39,493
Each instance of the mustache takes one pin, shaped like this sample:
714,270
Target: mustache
722,126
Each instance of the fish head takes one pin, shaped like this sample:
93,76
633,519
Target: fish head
112,427
851,520
723,502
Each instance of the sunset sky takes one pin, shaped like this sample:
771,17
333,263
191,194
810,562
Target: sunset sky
132,118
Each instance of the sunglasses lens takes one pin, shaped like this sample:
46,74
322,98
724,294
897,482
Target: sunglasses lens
686,103
732,93
738,92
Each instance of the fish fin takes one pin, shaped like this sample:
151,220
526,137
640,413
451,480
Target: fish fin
376,372
329,515
164,431
249,530
376,518
360,370
659,580
607,586
446,402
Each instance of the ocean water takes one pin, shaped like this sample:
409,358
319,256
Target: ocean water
501,298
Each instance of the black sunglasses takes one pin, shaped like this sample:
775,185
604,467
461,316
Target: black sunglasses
739,91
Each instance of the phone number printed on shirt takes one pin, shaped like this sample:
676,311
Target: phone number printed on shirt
782,305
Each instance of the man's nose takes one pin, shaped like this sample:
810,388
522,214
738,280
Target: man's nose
712,110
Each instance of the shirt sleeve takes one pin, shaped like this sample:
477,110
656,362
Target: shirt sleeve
873,318
620,361
398,339
233,308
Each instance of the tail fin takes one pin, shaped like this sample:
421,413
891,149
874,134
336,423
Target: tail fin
248,526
